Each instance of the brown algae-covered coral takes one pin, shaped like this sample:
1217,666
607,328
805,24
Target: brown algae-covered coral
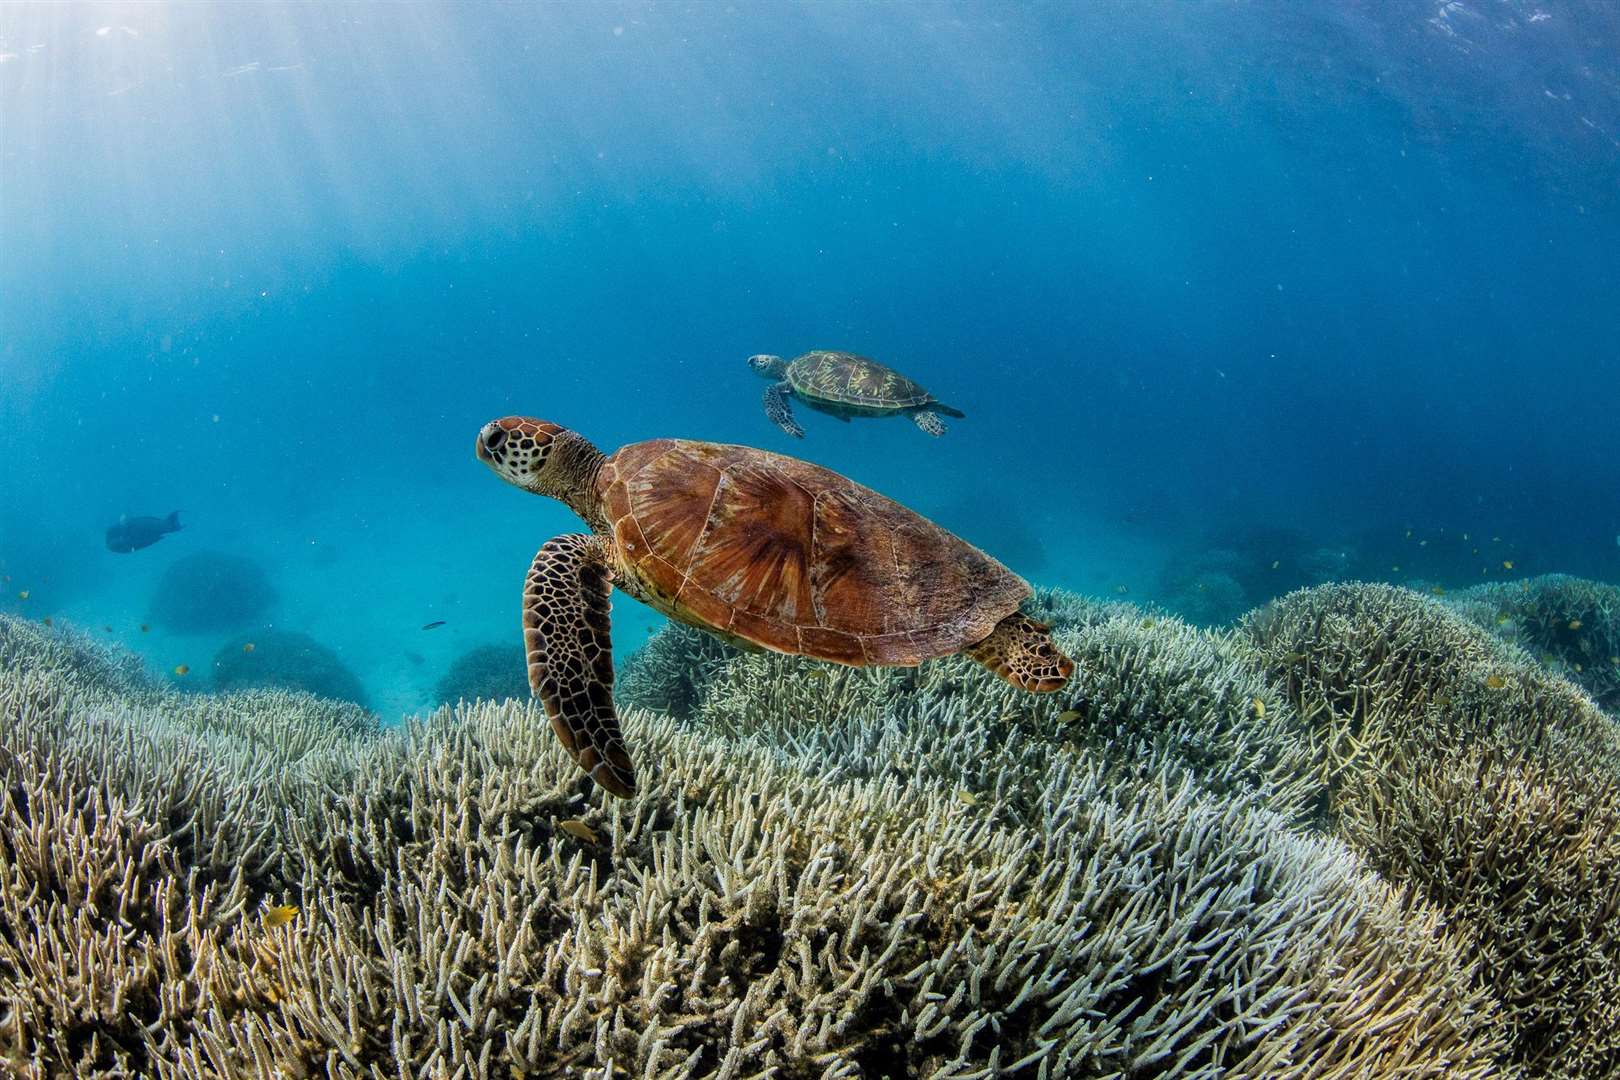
742,915
1570,624
1460,768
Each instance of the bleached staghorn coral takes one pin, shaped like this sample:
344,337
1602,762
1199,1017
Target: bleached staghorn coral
133,824
1461,768
1151,696
739,916
669,673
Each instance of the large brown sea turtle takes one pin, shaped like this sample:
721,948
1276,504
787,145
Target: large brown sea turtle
759,549
842,384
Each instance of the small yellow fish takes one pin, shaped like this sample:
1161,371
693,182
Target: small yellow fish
1465,536
1122,589
182,669
1501,619
967,797
1394,569
1495,682
1507,564
23,595
1409,534
248,647
1069,716
1147,624
1423,543
1259,708
145,629
1276,563
578,830
47,621
818,673
1579,669
1574,624
1496,539
1439,590
280,915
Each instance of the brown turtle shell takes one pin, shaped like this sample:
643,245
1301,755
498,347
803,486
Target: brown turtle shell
796,558
842,378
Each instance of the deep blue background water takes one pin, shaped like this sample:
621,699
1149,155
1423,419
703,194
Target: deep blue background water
1264,279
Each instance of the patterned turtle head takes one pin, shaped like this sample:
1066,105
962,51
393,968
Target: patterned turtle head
772,367
540,457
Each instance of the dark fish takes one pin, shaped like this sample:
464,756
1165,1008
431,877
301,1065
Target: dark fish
435,624
132,534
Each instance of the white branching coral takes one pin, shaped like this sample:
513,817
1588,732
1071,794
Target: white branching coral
1151,697
744,915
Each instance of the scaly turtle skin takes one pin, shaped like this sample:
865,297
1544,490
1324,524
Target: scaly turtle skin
763,550
842,384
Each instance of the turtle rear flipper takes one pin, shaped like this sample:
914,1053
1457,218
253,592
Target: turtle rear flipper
566,632
929,421
1021,651
779,411
941,407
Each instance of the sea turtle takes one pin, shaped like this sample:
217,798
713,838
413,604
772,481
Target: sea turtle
762,550
842,384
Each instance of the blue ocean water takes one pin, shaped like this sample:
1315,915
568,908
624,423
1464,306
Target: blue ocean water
1236,297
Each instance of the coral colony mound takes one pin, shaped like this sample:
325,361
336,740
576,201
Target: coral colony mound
209,592
1361,832
488,672
287,659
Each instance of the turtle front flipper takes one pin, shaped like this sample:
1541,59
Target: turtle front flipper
779,411
1021,651
570,653
929,421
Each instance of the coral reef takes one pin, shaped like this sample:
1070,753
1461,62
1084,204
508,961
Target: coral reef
1208,598
287,659
670,672
1458,767
1571,624
1153,699
210,592
1239,567
486,673
742,915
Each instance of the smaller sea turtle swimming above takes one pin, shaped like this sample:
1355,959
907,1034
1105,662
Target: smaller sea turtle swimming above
134,533
842,384
758,549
